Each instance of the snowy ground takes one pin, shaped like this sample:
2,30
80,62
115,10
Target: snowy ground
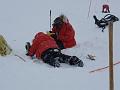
20,20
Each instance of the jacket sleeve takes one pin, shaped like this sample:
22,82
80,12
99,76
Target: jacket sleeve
33,48
68,34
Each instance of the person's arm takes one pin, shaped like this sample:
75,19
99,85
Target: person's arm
68,34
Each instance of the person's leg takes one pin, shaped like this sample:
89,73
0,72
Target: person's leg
76,61
54,57
52,61
60,44
51,57
72,60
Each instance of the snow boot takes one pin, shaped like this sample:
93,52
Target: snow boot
76,61
80,63
27,47
56,63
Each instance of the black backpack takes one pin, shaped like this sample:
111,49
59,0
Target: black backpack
102,23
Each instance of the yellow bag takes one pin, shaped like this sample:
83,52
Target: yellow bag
4,48
49,33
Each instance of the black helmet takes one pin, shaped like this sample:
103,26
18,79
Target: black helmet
58,21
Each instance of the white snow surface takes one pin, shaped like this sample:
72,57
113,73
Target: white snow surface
20,20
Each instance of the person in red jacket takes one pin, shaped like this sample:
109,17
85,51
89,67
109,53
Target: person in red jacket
44,47
63,32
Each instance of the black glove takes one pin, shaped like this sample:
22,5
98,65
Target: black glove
27,54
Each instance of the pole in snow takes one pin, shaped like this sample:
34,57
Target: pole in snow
111,79
50,20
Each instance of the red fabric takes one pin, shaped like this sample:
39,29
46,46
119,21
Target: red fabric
41,43
105,8
66,35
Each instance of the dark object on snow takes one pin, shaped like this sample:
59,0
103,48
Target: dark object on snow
104,21
91,57
54,57
27,47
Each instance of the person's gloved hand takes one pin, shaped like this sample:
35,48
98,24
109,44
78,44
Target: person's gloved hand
27,54
32,57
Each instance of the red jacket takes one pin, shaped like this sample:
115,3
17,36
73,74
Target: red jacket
41,43
66,34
